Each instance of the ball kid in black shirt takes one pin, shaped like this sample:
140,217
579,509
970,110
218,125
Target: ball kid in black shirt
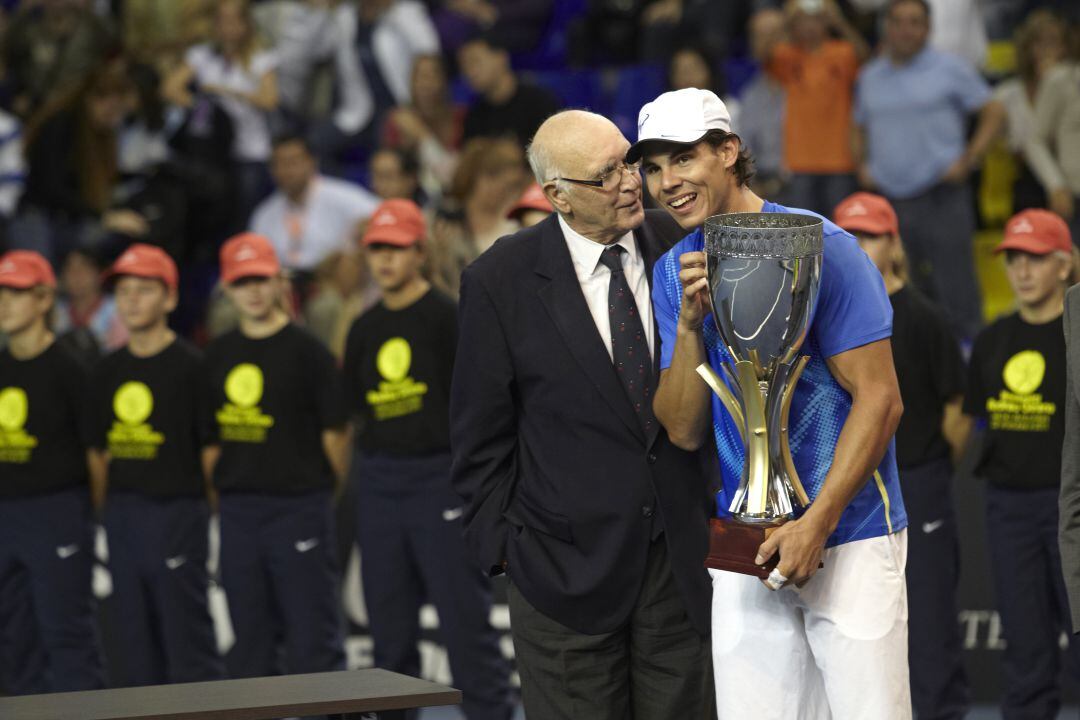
144,422
399,359
277,441
46,537
930,372
1016,387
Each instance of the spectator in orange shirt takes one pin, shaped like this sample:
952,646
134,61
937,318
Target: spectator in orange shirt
818,72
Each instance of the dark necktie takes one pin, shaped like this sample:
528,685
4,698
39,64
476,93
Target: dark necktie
629,346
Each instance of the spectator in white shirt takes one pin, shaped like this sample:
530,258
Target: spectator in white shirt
309,216
241,76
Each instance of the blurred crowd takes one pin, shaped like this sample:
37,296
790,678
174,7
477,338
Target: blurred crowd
183,122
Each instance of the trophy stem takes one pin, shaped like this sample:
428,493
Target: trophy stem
756,439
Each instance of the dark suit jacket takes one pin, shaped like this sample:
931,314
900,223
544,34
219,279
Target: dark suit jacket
558,478
1069,506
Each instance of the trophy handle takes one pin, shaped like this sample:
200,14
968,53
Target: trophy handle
785,449
756,439
723,392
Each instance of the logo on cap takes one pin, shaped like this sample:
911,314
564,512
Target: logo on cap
246,252
7,267
386,219
857,208
1022,226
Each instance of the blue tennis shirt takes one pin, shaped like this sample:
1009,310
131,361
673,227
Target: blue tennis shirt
852,310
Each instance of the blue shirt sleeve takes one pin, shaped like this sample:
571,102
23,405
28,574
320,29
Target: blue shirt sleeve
853,308
971,90
667,315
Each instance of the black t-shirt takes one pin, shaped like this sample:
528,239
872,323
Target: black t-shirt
518,117
1016,381
42,423
268,401
145,413
931,372
398,365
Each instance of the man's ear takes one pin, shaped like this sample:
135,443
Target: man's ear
729,151
557,197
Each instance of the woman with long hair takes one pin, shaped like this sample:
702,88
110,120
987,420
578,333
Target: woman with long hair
235,71
1040,45
430,125
489,179
71,153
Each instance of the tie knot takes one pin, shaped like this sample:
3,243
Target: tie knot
612,258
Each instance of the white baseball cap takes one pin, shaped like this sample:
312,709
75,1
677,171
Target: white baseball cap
680,116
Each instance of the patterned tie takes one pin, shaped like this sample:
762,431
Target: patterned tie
629,348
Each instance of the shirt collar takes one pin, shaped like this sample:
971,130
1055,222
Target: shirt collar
585,253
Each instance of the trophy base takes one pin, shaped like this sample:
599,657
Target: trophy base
733,546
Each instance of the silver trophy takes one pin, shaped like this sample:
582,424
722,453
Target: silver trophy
764,272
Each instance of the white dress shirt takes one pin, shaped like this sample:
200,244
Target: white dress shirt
304,235
595,279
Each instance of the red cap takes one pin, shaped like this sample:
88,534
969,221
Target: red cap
248,255
146,261
396,222
532,199
868,213
1039,232
22,269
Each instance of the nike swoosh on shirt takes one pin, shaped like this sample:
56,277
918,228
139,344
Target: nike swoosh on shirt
174,562
452,514
302,546
65,551
929,527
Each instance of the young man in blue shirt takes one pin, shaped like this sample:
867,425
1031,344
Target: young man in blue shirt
809,643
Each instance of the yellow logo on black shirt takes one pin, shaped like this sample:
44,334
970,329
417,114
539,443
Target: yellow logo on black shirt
241,419
130,437
398,394
16,445
1019,407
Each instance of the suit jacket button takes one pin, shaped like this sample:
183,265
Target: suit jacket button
651,458
647,511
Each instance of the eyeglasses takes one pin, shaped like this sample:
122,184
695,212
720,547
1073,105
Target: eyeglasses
609,178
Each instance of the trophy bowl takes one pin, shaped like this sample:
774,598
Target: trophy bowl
764,273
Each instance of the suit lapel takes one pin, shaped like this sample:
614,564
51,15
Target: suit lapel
565,303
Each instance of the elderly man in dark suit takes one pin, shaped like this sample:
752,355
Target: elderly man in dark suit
571,486
1069,507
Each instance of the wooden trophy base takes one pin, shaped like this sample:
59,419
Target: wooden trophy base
733,547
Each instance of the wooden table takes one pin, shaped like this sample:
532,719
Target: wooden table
265,698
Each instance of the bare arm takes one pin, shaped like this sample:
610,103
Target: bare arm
681,404
210,456
336,443
847,31
265,96
175,88
858,154
868,375
97,462
987,127
956,427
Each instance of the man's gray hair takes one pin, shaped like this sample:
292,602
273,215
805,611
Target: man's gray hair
543,167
